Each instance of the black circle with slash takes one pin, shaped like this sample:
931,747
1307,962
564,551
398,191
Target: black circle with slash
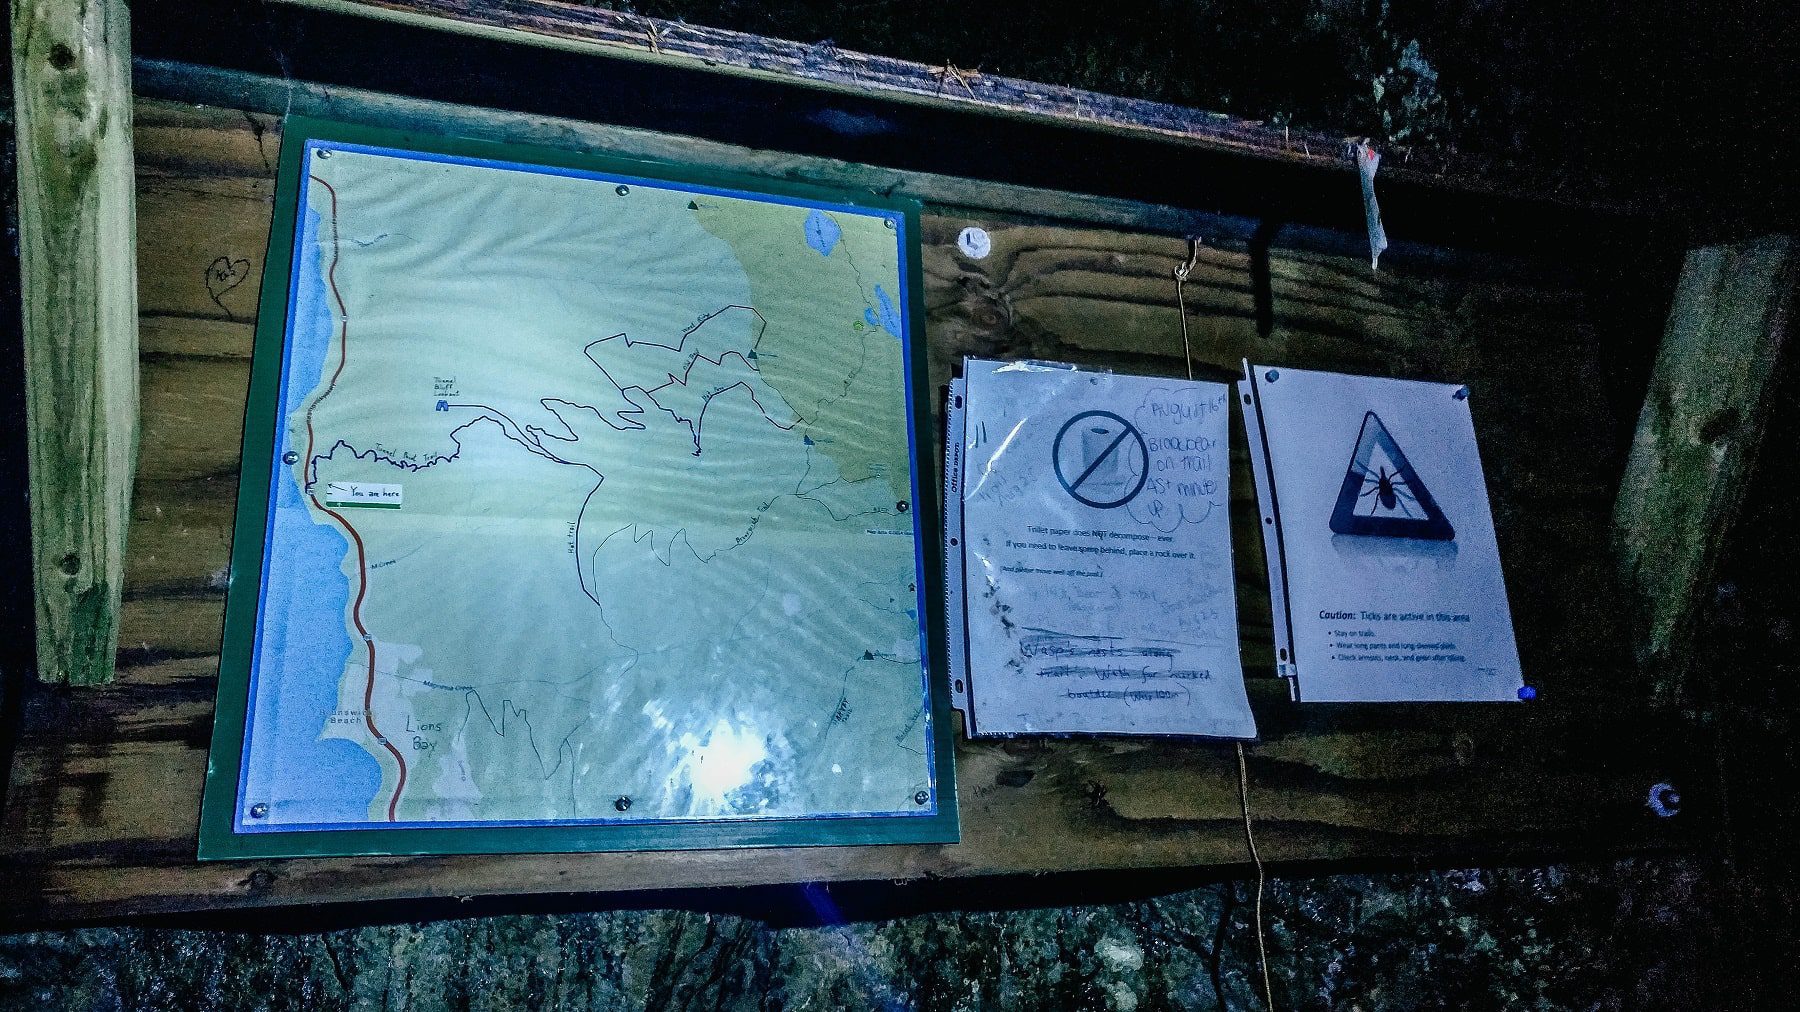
1125,444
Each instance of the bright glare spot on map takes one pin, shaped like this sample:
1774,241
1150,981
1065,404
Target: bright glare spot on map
722,762
654,558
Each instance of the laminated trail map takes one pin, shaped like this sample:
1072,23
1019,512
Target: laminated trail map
578,512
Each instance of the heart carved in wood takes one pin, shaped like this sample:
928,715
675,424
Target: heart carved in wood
224,274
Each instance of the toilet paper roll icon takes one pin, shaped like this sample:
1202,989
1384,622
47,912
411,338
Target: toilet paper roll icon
1104,465
1101,459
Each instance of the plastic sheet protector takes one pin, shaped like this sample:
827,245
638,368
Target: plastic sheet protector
1097,554
1384,570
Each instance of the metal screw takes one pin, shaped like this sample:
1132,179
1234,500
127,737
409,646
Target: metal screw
921,797
1461,394
901,506
1272,375
1664,800
322,153
622,804
289,457
621,189
260,810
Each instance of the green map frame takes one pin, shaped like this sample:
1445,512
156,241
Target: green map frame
217,838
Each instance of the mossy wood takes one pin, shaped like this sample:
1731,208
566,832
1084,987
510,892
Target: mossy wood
106,790
1697,440
72,93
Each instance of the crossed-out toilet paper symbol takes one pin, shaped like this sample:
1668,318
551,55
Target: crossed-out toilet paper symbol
1101,459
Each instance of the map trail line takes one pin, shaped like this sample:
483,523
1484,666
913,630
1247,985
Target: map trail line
362,571
696,423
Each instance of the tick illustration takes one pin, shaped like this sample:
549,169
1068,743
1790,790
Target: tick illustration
1389,490
1403,506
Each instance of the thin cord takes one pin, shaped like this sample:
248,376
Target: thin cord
1262,952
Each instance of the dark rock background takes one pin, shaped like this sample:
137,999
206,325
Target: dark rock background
1625,935
1688,104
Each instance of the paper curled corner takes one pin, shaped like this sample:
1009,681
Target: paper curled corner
1368,160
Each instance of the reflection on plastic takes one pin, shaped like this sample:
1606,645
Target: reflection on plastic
1097,557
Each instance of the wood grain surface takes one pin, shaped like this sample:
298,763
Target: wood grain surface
78,282
106,791
1697,440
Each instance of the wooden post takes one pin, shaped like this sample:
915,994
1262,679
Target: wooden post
78,269
1697,440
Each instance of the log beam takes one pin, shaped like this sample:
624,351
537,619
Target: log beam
595,30
1697,439
78,272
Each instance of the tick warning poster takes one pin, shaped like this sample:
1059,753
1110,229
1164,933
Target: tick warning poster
1384,571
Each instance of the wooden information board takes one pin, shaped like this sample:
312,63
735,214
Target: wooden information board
105,796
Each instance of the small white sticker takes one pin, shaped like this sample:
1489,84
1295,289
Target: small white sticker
974,243
362,495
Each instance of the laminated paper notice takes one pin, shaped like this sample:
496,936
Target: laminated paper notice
1385,573
1098,554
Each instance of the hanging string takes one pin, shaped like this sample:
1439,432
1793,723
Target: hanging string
1262,952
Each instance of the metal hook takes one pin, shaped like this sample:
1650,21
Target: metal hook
1182,272
1181,275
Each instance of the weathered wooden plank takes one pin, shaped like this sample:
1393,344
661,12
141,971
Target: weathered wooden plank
172,622
605,32
106,797
1697,438
72,91
260,101
1351,783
